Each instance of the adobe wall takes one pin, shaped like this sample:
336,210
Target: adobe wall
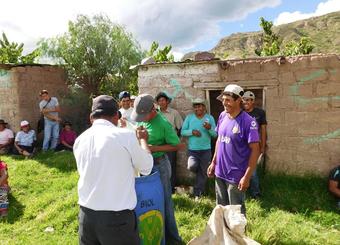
302,100
19,91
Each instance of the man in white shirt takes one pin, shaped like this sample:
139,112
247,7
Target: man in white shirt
6,138
107,157
125,110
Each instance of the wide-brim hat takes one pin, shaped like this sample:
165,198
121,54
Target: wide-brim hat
164,95
199,101
3,122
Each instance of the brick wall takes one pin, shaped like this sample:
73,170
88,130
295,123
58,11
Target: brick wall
19,91
302,101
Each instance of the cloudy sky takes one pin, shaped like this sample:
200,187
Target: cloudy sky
188,25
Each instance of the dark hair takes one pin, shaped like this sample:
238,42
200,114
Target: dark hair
234,96
44,91
97,114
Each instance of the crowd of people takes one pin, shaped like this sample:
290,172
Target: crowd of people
142,134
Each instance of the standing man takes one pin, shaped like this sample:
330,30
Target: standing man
6,138
176,121
199,127
334,184
162,139
237,149
106,157
260,116
125,109
49,107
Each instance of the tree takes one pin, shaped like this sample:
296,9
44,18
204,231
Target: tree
272,42
304,46
96,54
11,52
160,55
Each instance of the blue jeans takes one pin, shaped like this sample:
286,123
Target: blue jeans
164,169
198,163
51,134
254,187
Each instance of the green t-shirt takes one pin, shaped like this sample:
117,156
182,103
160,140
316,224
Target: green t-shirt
160,133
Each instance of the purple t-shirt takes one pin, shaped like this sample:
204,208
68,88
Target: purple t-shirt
233,145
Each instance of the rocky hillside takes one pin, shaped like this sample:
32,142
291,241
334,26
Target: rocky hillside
324,31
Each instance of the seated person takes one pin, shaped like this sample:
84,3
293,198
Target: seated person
25,140
67,137
6,138
334,184
4,189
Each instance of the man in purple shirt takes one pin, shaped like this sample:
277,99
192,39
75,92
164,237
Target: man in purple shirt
237,149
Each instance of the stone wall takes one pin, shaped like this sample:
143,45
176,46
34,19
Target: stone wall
302,100
19,91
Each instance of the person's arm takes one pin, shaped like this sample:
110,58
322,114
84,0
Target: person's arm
186,131
210,127
167,147
254,155
66,144
333,187
140,152
18,147
3,175
263,138
211,168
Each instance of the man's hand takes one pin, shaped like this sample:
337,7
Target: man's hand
181,146
122,122
142,133
196,133
211,170
244,184
207,125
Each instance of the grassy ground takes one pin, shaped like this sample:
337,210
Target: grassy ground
293,210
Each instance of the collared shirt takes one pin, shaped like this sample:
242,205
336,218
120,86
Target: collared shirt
49,105
173,117
25,139
106,158
160,133
192,122
5,135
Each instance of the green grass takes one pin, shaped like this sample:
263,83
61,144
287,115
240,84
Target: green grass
293,210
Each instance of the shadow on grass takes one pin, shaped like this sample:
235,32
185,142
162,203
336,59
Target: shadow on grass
63,160
187,204
16,210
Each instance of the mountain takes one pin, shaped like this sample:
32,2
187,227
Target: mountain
324,32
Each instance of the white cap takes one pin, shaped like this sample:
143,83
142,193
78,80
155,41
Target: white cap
249,95
232,88
24,123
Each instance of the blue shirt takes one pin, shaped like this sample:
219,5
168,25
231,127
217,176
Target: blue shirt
25,139
192,122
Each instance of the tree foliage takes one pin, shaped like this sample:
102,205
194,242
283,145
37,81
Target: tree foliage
11,52
96,54
160,55
272,43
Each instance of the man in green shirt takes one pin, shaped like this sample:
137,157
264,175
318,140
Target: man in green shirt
162,138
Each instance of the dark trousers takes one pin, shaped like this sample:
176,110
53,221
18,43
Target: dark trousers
172,155
107,227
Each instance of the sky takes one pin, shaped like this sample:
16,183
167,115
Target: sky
188,25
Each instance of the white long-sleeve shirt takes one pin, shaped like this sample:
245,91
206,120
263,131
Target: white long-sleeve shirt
106,157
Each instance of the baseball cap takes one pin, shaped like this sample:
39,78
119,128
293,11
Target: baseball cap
104,103
232,88
249,95
24,123
164,95
142,107
123,94
198,101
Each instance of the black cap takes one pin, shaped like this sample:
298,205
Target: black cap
2,122
104,103
163,95
123,94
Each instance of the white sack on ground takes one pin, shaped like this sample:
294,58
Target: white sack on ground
226,226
